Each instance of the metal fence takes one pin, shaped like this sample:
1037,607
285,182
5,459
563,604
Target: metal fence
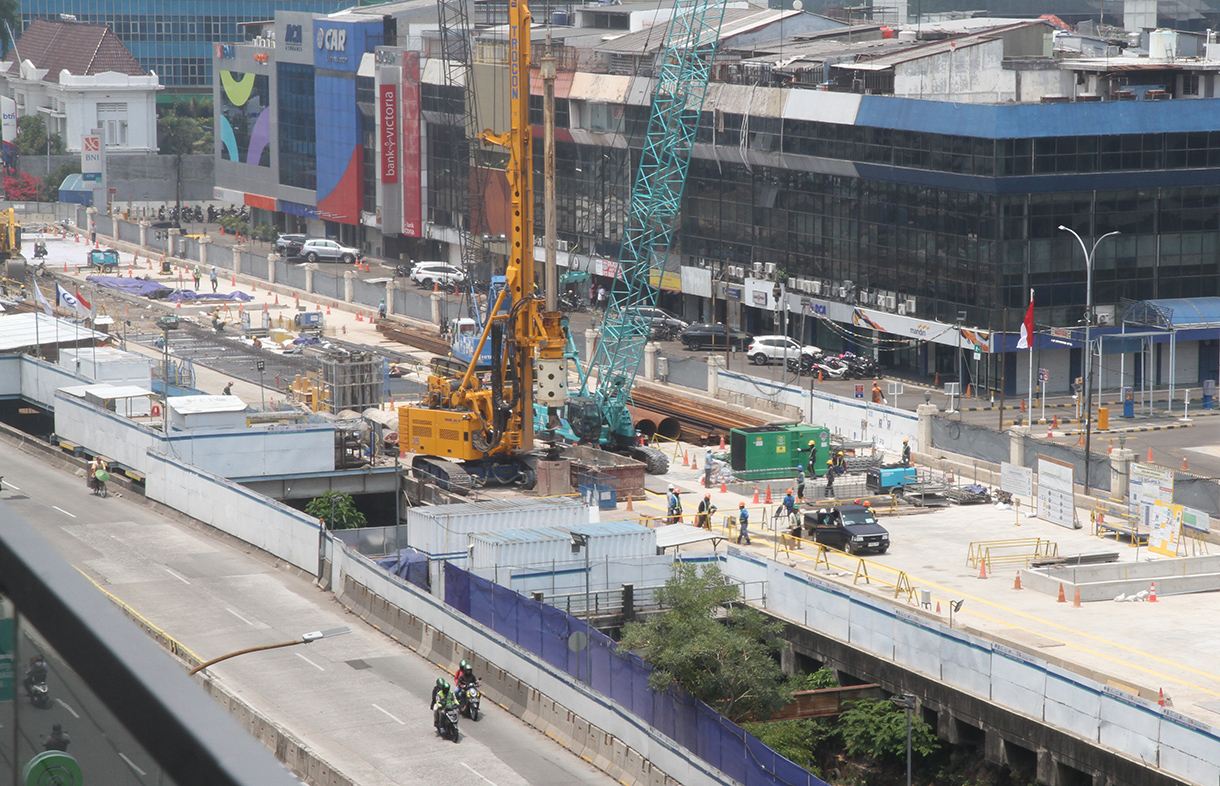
128,232
367,294
253,265
622,676
292,275
1199,493
327,285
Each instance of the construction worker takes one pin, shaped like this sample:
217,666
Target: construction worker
906,453
800,484
813,452
840,463
215,279
878,396
830,478
704,516
743,523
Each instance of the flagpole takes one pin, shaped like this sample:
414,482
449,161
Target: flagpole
1031,366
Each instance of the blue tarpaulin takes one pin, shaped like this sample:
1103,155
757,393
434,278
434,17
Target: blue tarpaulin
132,286
408,564
190,294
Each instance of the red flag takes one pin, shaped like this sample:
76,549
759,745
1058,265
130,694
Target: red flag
1026,340
82,300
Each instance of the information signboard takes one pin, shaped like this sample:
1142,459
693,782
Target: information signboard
1150,484
1164,527
1056,492
1016,480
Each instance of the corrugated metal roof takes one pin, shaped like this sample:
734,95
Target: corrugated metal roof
497,505
544,534
18,331
1191,311
199,405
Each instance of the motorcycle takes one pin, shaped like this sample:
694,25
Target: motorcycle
831,368
402,271
666,332
449,720
572,302
40,250
39,694
468,700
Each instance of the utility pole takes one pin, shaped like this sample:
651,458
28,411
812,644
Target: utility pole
551,273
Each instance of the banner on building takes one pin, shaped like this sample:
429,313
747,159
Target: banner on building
91,158
388,104
8,130
411,159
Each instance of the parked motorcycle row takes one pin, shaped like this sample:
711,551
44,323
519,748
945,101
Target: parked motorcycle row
847,365
193,213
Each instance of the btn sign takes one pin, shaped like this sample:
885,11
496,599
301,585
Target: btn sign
333,39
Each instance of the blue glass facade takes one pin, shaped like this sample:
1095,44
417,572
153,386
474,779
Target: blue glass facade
298,126
174,37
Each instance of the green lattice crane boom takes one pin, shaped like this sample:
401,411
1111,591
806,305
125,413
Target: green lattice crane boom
602,413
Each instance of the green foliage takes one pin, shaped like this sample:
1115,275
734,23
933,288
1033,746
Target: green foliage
178,135
32,137
336,510
801,741
234,225
10,15
878,729
818,680
264,232
723,653
52,182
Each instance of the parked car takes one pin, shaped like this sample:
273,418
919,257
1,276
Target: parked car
852,528
315,249
664,325
289,246
428,273
764,349
703,334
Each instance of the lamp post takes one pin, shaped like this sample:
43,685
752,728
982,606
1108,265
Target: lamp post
306,638
166,323
906,702
581,541
1088,346
781,312
262,393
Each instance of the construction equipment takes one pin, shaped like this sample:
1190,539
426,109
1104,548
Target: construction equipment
103,260
479,427
10,235
602,414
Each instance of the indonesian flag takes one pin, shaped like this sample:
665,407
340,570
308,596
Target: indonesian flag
1027,327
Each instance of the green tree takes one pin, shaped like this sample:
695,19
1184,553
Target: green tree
337,510
723,652
32,137
179,135
878,729
52,182
806,741
10,15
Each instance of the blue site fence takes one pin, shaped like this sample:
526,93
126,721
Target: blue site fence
623,677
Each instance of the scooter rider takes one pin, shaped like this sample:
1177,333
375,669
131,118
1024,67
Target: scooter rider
36,674
464,675
57,740
441,695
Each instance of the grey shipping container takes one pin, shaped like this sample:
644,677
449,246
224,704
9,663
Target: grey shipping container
442,531
546,545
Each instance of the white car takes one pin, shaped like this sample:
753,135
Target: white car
764,349
317,249
428,273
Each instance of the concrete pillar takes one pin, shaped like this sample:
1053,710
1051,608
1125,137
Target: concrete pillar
650,361
272,258
591,338
204,242
309,269
1047,771
993,747
1016,445
714,364
171,241
143,234
1120,472
236,262
923,434
435,302
390,287
349,285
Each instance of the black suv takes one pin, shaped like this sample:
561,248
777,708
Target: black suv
702,335
289,246
851,528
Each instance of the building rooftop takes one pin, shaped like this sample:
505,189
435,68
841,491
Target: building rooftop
78,48
18,331
200,405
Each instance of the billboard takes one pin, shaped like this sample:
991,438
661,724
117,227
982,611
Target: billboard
387,104
411,160
339,45
91,164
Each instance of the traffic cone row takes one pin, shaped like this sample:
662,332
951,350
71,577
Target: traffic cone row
359,317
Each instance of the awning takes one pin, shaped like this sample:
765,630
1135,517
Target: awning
674,535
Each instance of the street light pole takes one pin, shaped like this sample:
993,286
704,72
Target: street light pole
306,638
906,702
262,395
581,541
1088,343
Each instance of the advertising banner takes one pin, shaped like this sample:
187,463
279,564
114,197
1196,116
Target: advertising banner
91,158
410,158
388,105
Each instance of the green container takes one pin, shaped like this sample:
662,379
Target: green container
778,451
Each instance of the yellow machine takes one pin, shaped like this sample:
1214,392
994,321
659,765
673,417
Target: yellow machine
486,420
10,235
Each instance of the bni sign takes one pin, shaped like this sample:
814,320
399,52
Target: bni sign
91,158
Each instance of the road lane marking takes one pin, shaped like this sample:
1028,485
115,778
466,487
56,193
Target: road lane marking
10,485
175,575
396,720
240,617
61,703
476,772
61,510
132,764
307,660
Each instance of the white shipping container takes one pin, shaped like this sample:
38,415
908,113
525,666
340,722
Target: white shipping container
442,531
113,366
547,545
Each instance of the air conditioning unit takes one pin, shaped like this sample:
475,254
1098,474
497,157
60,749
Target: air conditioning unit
769,268
910,301
562,245
757,267
737,271
891,302
815,287
902,308
841,292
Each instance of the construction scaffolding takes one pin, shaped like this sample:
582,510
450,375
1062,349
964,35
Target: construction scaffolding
347,380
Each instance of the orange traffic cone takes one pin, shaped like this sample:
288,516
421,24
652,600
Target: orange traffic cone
694,462
755,496
1056,421
1160,697
768,493
629,505
1111,450
1062,599
724,487
1050,433
435,287
277,299
232,280
359,317
1076,600
969,387
1184,467
1149,454
1152,593
686,458
819,375
1017,584
328,311
1022,405
722,442
936,384
982,569
938,607
178,304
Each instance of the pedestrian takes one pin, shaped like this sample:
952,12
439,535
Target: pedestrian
878,396
743,523
197,276
706,510
671,502
381,309
214,279
675,515
601,298
228,391
592,291
800,484
830,478
93,232
906,453
91,478
840,463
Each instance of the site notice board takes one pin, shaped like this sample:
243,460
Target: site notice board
1056,492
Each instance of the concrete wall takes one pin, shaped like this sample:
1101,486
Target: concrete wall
142,177
1128,728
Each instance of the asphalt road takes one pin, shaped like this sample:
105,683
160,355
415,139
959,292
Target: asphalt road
359,700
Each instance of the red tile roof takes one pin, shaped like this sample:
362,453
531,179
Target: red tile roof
81,49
